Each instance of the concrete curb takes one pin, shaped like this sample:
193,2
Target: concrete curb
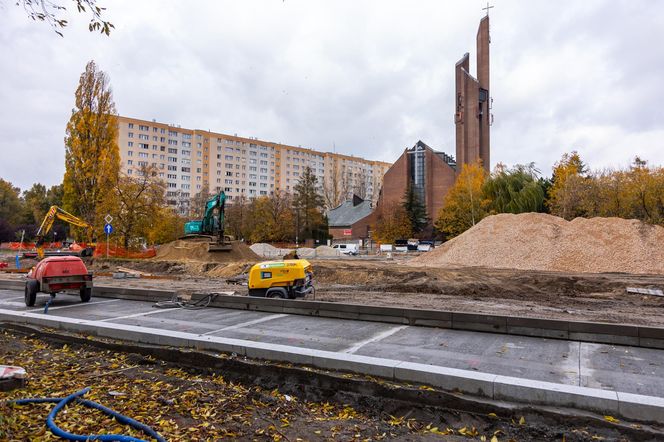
631,406
597,332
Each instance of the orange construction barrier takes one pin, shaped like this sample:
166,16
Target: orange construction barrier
120,252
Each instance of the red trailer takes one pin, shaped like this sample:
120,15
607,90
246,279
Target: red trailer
57,274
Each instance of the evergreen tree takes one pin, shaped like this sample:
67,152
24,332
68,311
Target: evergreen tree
308,204
92,157
414,207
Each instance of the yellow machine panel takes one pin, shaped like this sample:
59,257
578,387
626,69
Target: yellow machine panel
290,278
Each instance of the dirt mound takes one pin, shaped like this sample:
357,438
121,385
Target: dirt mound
187,251
536,241
326,251
268,251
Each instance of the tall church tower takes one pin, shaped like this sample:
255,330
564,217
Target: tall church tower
473,116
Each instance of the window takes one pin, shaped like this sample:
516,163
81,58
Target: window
172,185
130,143
172,150
172,159
266,275
228,157
130,135
130,154
185,169
141,127
129,172
172,168
186,144
185,152
172,176
131,125
172,133
186,136
143,137
173,142
143,146
130,162
142,155
229,173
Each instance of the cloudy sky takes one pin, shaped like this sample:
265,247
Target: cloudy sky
368,78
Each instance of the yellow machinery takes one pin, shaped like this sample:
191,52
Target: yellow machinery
287,279
56,212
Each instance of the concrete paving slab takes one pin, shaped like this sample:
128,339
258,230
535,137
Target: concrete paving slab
545,359
608,367
193,321
303,331
356,364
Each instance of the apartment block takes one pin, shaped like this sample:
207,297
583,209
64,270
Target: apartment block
191,161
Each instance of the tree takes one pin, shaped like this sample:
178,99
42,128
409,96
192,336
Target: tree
335,187
308,205
237,217
138,199
92,158
10,203
465,204
515,190
50,12
198,203
272,218
166,226
35,204
393,223
567,186
414,207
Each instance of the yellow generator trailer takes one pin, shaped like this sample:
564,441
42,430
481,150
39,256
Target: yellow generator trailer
287,279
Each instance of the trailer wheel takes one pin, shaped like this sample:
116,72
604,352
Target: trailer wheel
86,294
277,293
31,288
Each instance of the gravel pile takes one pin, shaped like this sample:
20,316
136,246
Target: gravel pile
536,241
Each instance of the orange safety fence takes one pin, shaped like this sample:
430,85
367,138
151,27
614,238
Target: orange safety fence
31,245
120,252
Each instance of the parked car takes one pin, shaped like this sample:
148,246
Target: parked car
347,249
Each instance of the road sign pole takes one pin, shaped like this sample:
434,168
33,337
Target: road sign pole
106,245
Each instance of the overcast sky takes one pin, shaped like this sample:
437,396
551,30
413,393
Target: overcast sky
369,77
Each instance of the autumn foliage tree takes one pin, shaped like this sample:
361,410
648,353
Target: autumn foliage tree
393,223
272,218
136,203
308,205
92,158
465,203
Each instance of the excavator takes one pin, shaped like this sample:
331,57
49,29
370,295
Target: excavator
56,212
211,227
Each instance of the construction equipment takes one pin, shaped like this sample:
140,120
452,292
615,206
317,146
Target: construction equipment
56,212
211,227
56,274
287,279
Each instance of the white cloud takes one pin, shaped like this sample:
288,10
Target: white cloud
368,77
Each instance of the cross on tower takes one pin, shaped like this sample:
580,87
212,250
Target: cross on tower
487,8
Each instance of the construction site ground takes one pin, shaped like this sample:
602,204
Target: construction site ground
395,282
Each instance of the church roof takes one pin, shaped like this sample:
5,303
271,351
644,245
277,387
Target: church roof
349,212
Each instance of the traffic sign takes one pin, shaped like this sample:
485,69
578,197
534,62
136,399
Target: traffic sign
108,219
108,229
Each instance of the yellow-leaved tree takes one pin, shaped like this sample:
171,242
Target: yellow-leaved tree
465,203
92,157
393,223
569,187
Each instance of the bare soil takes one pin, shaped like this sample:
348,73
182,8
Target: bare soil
557,295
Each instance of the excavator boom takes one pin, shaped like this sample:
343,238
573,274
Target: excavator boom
46,225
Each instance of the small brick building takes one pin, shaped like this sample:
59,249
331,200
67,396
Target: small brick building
343,220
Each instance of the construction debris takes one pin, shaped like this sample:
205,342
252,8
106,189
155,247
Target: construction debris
640,291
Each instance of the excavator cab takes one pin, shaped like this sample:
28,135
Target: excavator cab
211,227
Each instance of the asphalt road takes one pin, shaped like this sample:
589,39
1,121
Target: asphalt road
608,367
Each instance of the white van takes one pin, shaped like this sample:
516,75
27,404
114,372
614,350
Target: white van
347,249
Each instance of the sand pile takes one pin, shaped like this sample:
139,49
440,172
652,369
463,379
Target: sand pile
536,241
186,251
326,251
268,251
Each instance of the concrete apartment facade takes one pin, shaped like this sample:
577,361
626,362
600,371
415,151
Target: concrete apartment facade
192,160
